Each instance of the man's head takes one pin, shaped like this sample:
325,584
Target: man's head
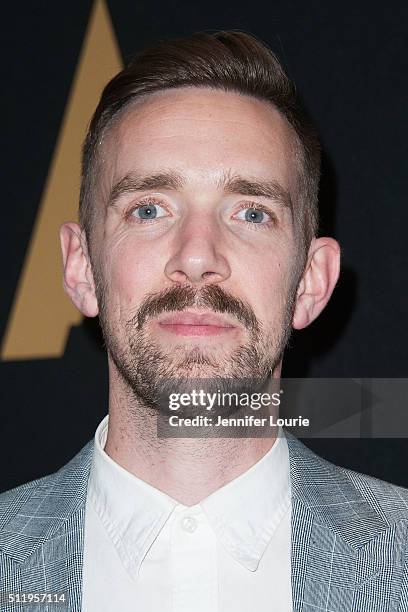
227,61
198,214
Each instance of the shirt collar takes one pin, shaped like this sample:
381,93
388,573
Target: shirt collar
244,513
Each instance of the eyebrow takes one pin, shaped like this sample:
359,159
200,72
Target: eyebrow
257,188
228,183
133,182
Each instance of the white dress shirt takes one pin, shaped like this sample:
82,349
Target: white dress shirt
144,551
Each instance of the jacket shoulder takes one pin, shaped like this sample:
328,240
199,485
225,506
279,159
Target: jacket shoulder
12,499
68,479
389,500
356,506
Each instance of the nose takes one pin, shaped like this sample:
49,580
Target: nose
197,256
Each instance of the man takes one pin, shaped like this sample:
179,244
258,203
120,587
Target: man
197,247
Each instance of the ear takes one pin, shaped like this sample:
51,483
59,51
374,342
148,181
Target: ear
318,281
78,278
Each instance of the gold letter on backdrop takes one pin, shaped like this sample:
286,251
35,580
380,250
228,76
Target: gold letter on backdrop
42,315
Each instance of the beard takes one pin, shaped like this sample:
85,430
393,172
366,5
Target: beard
150,372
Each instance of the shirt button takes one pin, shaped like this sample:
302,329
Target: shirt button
188,523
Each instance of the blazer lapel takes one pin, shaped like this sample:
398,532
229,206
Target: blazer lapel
336,549
45,537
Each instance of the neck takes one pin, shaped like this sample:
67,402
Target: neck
186,469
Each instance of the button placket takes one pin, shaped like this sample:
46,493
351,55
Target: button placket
194,563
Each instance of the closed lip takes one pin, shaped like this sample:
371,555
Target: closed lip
195,318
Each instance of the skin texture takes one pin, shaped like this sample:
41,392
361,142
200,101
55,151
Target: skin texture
201,255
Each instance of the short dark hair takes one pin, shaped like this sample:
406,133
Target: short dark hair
226,60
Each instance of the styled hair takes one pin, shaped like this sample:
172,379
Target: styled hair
227,60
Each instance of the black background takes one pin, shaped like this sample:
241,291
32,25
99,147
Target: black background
350,64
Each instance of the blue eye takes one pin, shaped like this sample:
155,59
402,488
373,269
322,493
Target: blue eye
149,211
254,215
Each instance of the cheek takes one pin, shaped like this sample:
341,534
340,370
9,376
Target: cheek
267,285
131,273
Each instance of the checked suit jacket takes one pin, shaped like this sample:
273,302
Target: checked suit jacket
349,537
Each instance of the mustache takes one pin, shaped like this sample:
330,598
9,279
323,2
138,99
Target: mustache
212,297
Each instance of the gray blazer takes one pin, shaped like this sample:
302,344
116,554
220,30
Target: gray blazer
349,537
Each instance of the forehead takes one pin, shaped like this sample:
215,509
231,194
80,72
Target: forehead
202,133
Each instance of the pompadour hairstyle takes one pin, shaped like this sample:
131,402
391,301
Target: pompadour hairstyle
227,60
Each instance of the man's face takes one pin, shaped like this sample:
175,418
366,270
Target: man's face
194,247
